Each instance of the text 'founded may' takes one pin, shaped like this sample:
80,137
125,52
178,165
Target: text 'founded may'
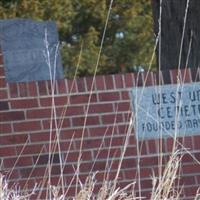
167,111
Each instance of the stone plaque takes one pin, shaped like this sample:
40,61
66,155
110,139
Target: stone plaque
23,46
166,111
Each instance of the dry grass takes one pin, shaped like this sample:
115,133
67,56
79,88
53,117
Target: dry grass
164,189
163,186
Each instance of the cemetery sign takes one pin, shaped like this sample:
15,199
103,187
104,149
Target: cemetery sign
166,111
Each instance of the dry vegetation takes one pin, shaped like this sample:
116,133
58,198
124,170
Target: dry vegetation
163,186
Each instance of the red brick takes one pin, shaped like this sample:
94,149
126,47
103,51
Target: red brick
166,76
80,99
196,140
139,79
2,82
119,82
152,146
80,85
42,88
13,90
125,95
126,164
32,88
14,174
24,161
198,179
169,144
123,106
61,100
187,180
142,148
127,116
7,151
174,75
57,100
130,174
5,128
46,102
66,146
114,141
24,103
39,113
100,108
122,129
62,89
14,139
192,168
93,120
65,123
44,136
148,78
39,172
2,73
27,185
75,133
109,82
146,184
31,148
99,82
3,94
49,87
112,96
158,78
79,121
195,74
129,80
43,159
25,173
101,131
89,83
73,156
191,191
55,170
113,118
27,126
9,163
68,169
23,89
89,143
185,75
12,116
4,105
187,158
107,153
188,142
1,59
98,166
131,150
73,110
71,85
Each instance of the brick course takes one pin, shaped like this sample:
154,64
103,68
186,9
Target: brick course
26,126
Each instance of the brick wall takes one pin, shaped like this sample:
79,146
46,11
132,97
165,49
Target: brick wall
26,126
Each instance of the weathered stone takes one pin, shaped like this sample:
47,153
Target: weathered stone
24,49
167,111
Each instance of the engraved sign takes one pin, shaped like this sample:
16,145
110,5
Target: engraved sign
166,111
23,45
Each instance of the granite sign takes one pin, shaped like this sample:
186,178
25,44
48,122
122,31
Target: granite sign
166,111
23,47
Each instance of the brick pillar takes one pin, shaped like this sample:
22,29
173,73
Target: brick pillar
3,85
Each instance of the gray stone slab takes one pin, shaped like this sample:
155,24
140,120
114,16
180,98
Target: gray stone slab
166,111
23,46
